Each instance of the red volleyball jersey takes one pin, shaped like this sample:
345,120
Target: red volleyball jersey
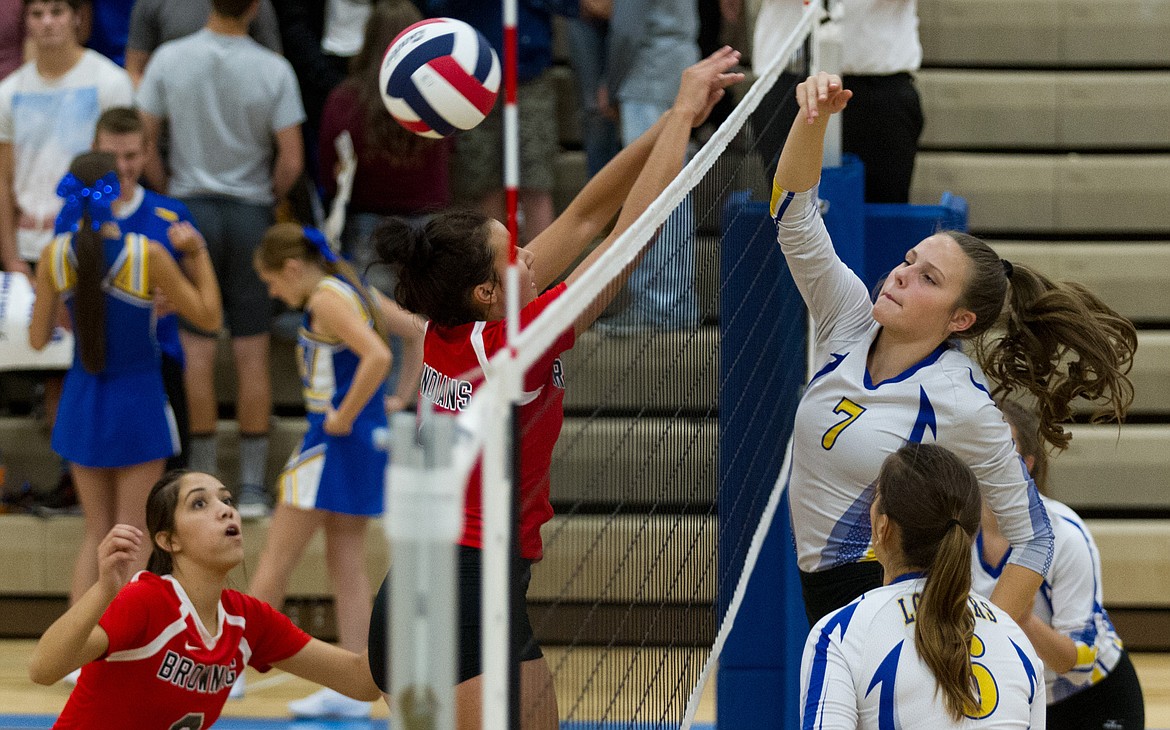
163,669
453,362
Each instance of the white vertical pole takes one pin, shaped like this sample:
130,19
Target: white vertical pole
827,48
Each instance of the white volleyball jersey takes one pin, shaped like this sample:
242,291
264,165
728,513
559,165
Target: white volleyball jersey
846,425
861,669
1070,600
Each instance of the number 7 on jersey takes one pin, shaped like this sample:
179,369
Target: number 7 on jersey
852,412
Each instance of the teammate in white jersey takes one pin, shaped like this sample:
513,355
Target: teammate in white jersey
1091,682
923,651
894,371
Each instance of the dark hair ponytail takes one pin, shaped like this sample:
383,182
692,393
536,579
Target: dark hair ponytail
161,505
934,499
1059,341
439,265
89,303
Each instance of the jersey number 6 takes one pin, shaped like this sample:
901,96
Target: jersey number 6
852,412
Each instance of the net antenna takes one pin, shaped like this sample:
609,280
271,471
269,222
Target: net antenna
501,672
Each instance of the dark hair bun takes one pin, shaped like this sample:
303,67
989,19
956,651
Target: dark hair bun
399,243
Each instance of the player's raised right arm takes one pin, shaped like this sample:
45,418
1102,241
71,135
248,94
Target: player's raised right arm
820,97
76,639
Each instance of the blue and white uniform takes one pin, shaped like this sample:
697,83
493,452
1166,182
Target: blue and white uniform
120,416
847,425
336,473
861,669
1070,600
152,214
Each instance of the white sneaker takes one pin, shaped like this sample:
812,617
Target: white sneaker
329,703
238,689
71,678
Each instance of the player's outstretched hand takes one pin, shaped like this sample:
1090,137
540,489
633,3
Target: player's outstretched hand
118,554
703,84
185,237
821,93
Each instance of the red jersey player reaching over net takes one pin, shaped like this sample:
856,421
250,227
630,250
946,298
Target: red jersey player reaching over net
161,648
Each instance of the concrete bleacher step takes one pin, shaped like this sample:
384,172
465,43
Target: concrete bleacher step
1111,467
1051,193
1129,276
973,109
1020,33
626,559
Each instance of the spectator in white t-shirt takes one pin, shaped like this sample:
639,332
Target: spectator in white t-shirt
48,110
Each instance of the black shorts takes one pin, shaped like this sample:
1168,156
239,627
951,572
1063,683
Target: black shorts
1114,703
470,566
827,590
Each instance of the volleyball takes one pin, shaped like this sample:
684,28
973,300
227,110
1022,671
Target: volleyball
439,76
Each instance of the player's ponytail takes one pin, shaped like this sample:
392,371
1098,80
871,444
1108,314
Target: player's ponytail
88,190
285,241
1057,342
161,505
934,499
439,264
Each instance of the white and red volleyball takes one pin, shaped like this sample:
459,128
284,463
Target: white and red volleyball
439,76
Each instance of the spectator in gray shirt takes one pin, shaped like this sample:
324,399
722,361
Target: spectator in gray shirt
154,22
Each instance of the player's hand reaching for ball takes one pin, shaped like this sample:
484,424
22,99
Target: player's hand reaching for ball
821,94
118,556
703,84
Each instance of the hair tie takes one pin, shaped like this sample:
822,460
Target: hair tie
98,199
952,523
317,239
1008,269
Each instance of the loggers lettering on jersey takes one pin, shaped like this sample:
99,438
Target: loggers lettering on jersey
981,609
444,391
203,678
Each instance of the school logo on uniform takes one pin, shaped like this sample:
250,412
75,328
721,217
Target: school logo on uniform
444,391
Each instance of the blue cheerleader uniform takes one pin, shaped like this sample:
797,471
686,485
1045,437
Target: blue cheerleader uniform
336,473
120,416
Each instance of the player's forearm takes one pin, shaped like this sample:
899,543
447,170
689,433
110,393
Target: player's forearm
1015,590
62,646
1057,651
601,197
799,168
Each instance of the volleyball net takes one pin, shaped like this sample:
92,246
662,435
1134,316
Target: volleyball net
677,411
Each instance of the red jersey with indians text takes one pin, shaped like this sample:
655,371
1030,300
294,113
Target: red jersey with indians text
163,669
453,364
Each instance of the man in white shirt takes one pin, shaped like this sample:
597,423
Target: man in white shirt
48,109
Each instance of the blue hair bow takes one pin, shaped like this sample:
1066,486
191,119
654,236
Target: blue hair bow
98,199
317,238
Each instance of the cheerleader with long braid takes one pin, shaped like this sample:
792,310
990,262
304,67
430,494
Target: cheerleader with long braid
114,425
